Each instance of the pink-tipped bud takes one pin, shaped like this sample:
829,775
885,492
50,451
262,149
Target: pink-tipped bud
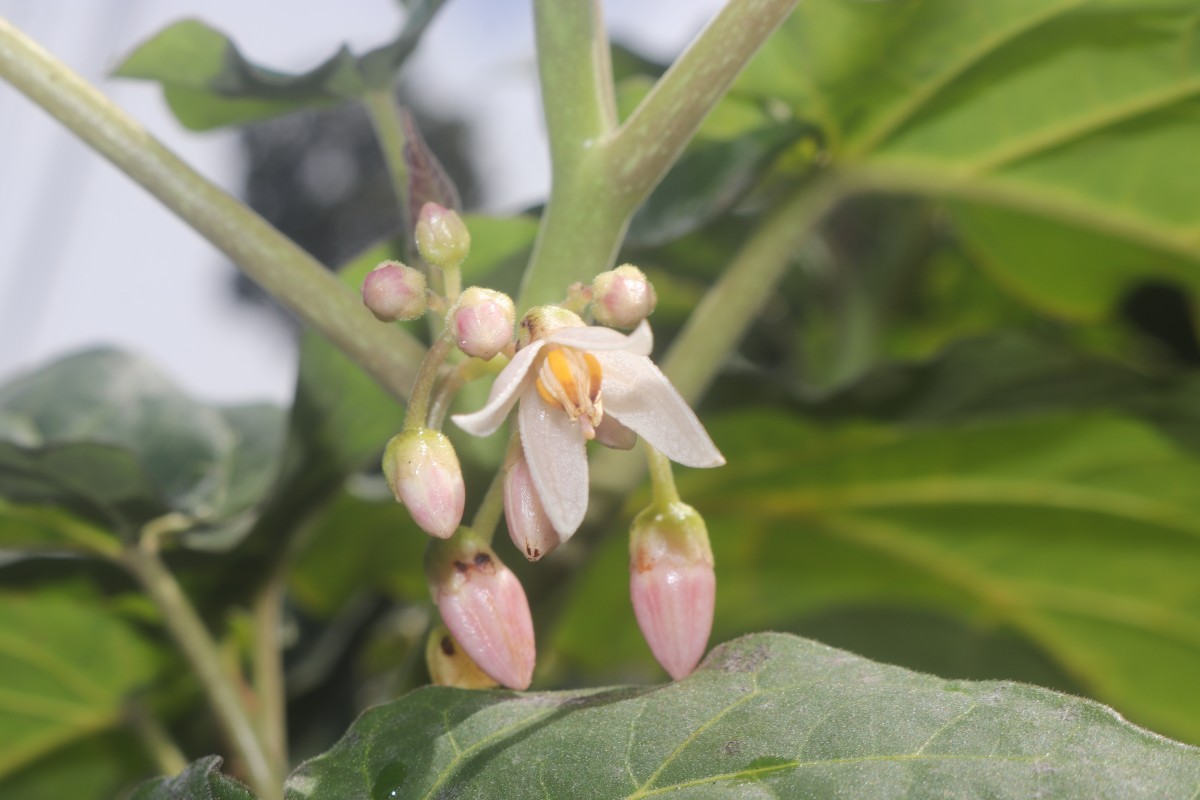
622,297
393,292
484,606
672,585
422,469
482,322
442,237
449,664
528,525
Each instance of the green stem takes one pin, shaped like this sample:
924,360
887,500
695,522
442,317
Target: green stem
417,415
157,739
263,253
381,109
491,508
268,674
722,317
662,481
222,688
602,173
642,150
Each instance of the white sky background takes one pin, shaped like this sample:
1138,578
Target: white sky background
88,258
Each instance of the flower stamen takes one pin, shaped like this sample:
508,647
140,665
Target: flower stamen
570,379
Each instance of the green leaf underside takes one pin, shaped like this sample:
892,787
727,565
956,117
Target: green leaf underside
208,83
1078,530
65,668
105,435
1076,118
766,715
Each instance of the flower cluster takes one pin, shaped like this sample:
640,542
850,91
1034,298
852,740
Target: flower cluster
570,383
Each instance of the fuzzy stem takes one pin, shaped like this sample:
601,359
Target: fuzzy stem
417,415
222,688
491,508
259,250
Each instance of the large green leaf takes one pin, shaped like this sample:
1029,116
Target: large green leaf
208,83
101,767
1077,530
765,716
202,780
1047,121
66,666
106,437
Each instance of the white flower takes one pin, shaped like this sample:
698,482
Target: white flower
580,383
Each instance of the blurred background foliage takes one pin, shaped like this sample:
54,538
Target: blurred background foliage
963,435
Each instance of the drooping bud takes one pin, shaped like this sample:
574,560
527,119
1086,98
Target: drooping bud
528,525
672,584
442,237
449,664
482,322
622,297
539,321
423,471
484,606
393,291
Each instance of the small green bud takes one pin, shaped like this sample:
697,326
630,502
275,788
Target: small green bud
442,237
423,471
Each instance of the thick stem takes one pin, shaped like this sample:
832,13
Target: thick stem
198,646
642,150
576,76
263,253
268,674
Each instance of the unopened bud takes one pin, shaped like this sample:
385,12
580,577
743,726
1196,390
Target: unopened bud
449,664
482,322
672,585
539,321
528,525
442,237
393,292
422,469
484,606
622,297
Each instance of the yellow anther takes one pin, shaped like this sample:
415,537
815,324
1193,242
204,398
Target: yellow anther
570,380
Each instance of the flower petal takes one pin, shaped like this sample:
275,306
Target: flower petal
597,339
557,457
505,391
611,433
637,393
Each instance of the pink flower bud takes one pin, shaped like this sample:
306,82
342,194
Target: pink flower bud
622,297
442,237
482,322
528,525
484,606
393,291
672,585
449,664
422,469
